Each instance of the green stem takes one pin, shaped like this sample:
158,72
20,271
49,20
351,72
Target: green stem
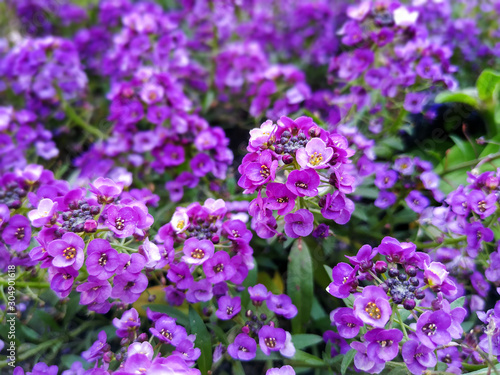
401,323
27,284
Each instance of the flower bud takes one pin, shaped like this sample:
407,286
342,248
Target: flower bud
287,159
142,337
409,304
90,226
380,267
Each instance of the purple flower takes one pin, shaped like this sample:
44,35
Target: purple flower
106,190
432,328
482,204
186,350
280,198
260,171
201,164
97,349
282,305
477,233
373,306
196,252
418,357
271,339
61,280
361,360
303,183
123,221
102,259
181,275
451,357
344,280
340,345
386,179
346,322
285,370
129,287
243,348
436,276
416,201
299,224
236,230
404,165
94,291
219,268
258,293
228,307
383,344
395,251
44,214
337,207
364,257
128,324
414,102
167,331
385,199
315,155
200,291
18,233
68,251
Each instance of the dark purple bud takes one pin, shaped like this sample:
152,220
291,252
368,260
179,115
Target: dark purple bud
263,317
151,298
409,304
279,149
90,226
419,294
411,271
94,210
107,357
314,132
380,267
402,276
215,240
414,281
385,287
249,313
397,298
142,337
124,342
287,159
393,272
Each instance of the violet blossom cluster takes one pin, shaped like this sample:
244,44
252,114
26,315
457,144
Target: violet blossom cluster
209,254
293,165
42,69
382,291
77,232
464,225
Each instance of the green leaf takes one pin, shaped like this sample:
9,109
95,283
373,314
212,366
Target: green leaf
464,96
30,333
347,360
329,270
459,302
302,358
486,84
349,301
484,371
72,308
302,341
171,311
400,370
300,283
203,341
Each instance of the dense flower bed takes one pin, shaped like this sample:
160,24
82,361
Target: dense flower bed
249,187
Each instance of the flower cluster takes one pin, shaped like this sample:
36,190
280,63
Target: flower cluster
209,254
295,163
403,282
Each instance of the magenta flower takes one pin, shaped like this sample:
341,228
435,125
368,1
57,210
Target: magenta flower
166,330
122,222
476,234
271,339
68,251
61,280
383,344
344,280
303,183
315,155
361,360
258,293
106,189
299,224
200,291
94,291
364,257
219,268
432,328
282,305
102,259
346,322
44,214
418,357
243,348
337,207
259,172
373,306
436,276
395,251
127,324
228,307
128,287
18,233
196,252
280,198
386,179
416,201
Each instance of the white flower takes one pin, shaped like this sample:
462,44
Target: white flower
405,18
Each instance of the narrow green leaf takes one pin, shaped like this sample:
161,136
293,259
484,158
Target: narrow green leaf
347,360
399,371
486,84
302,358
302,341
329,270
300,283
459,302
203,341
